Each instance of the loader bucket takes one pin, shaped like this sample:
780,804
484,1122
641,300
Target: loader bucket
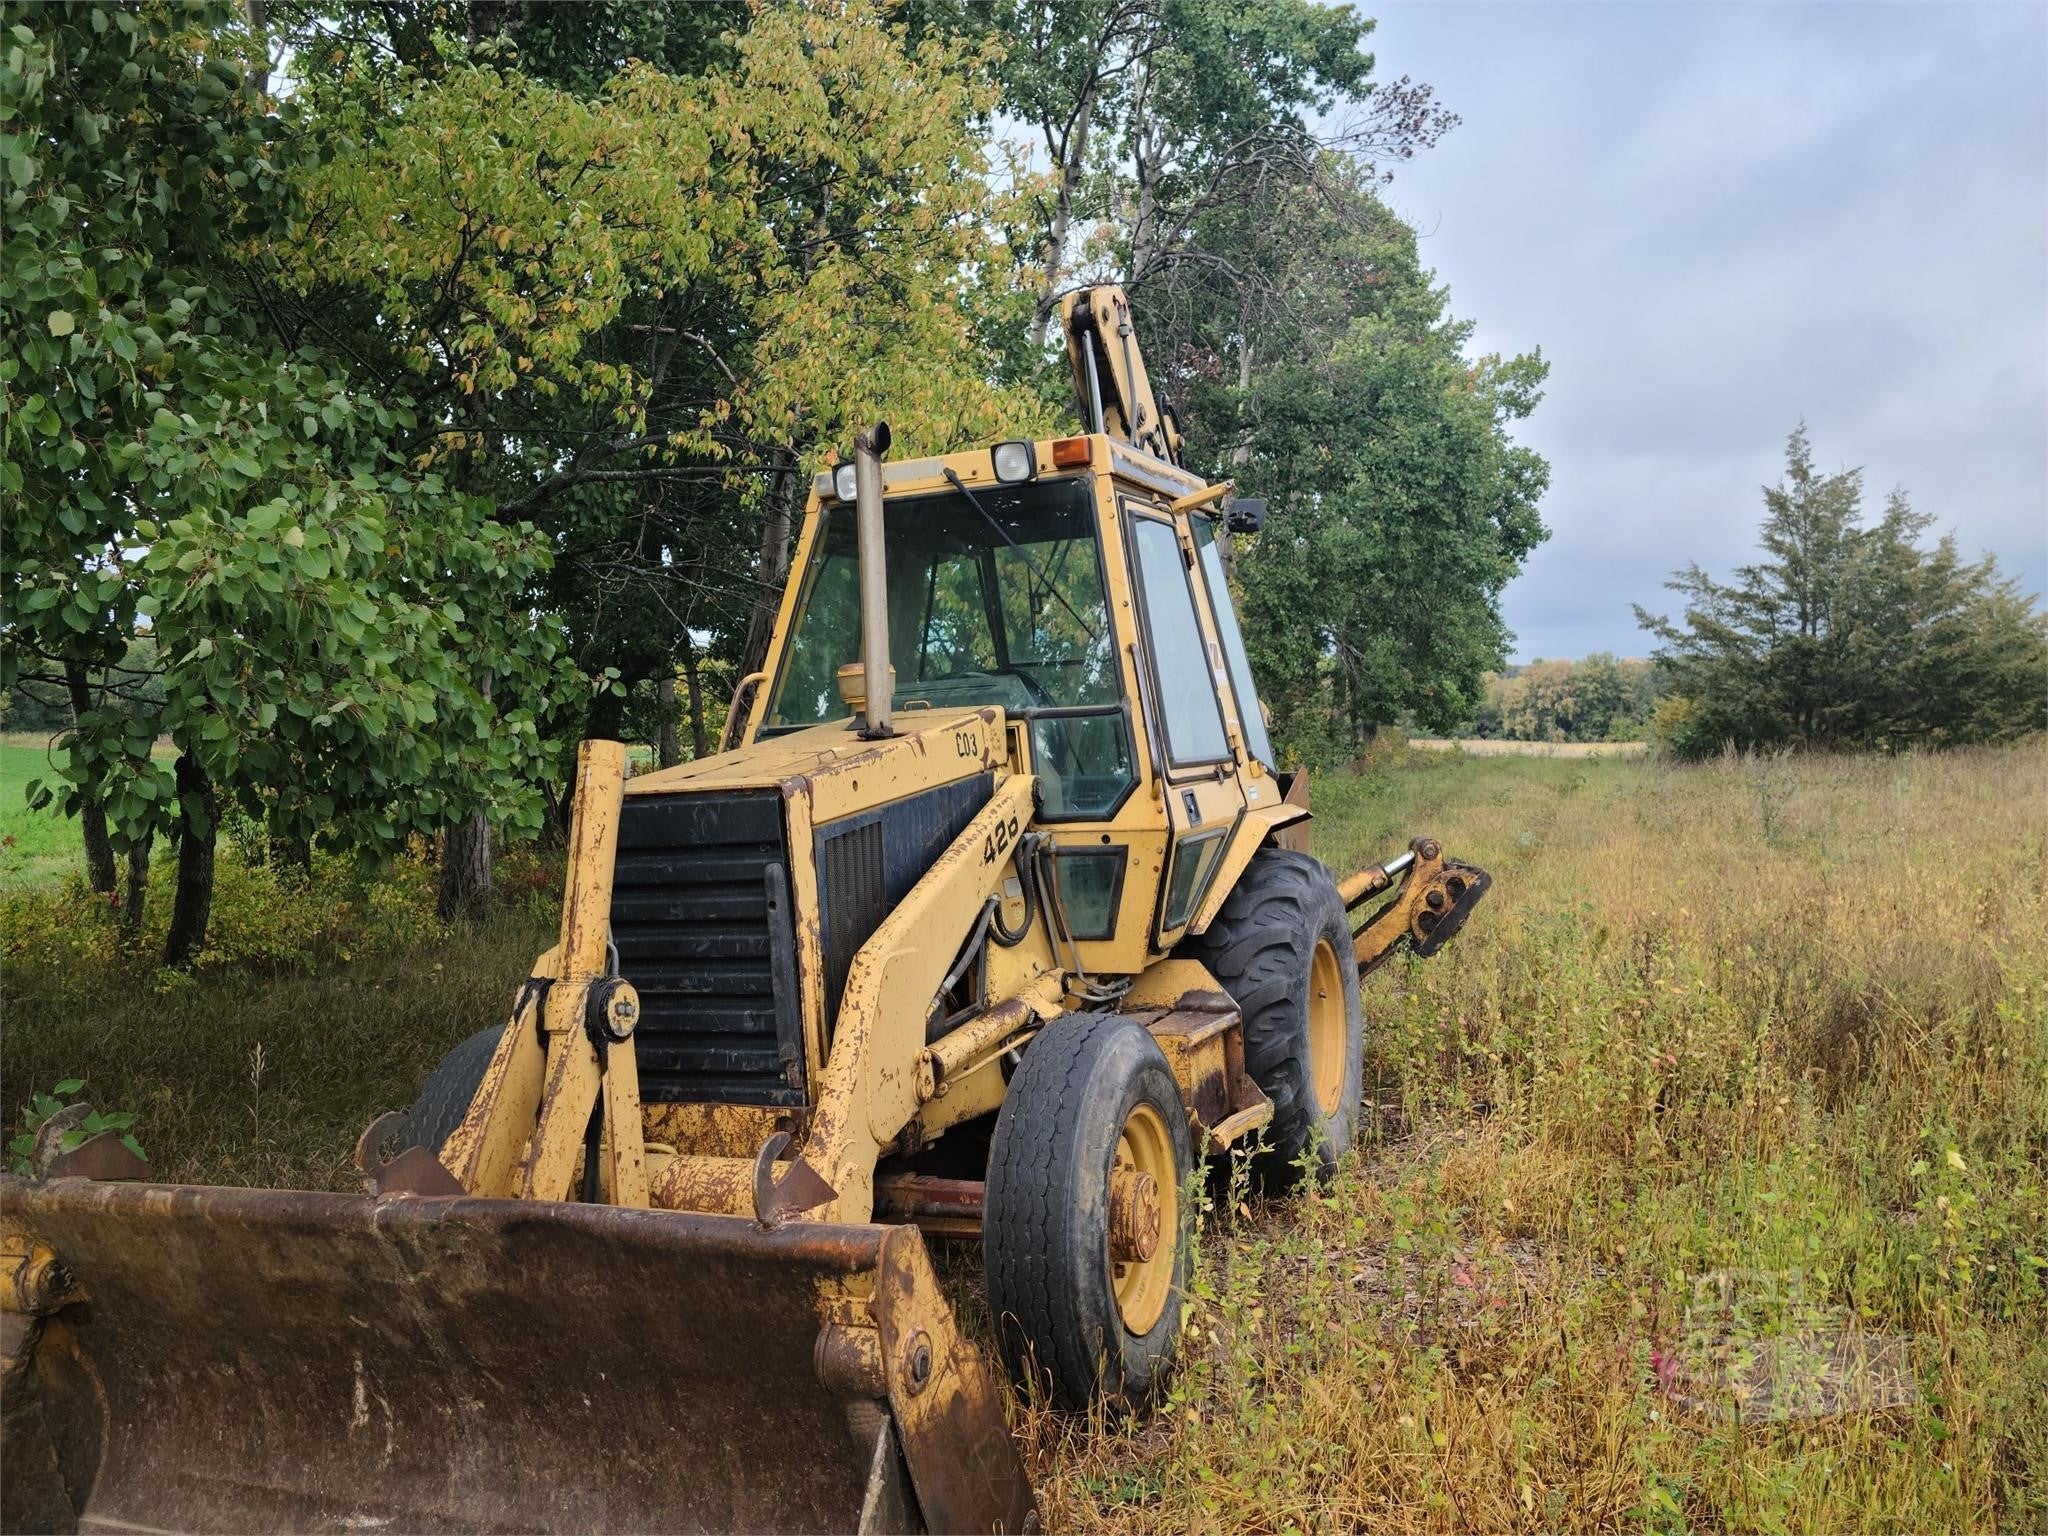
245,1359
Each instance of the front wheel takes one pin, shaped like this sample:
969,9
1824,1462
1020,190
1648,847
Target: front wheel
1086,1231
446,1094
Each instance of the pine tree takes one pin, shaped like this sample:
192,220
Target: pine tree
1850,636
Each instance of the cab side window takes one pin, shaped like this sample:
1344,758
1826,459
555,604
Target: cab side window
1189,713
1250,716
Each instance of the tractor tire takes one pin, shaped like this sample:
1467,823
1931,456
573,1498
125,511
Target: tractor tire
1090,1158
1281,947
445,1096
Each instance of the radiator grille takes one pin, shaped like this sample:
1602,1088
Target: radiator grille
868,863
701,916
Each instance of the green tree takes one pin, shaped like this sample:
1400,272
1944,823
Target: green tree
642,303
172,468
1153,116
1399,503
1849,635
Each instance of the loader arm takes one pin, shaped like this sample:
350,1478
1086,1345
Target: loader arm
879,1071
568,1044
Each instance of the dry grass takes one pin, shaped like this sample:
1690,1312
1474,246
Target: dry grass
1475,746
1778,1019
1781,1022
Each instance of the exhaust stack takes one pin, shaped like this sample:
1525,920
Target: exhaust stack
880,679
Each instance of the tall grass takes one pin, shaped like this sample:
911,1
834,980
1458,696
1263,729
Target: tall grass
317,1004
1768,1029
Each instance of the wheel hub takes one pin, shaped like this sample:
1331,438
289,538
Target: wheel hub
1133,1216
1144,1219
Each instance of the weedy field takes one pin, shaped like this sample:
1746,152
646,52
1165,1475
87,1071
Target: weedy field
1737,1062
1705,1184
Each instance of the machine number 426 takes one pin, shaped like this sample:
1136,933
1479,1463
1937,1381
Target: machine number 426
997,843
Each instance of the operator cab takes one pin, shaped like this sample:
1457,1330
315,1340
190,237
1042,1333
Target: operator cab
996,595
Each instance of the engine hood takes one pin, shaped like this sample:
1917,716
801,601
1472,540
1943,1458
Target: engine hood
838,772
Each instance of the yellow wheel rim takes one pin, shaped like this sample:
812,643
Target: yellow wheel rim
1144,1219
1329,1027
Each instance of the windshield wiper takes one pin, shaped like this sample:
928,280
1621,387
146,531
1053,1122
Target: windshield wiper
1022,553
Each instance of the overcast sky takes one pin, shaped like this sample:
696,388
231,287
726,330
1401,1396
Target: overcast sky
1718,219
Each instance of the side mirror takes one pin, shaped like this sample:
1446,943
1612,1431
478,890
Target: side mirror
1245,514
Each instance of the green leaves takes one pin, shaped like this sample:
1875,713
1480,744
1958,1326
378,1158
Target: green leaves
42,1107
177,464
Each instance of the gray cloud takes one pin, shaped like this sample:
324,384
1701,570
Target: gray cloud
1716,220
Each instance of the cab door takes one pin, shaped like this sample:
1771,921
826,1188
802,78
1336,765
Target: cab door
1183,678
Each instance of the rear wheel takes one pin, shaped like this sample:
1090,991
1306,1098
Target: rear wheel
446,1094
1086,1230
1281,946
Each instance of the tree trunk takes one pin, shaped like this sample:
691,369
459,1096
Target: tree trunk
1072,163
668,749
1145,167
465,868
192,905
465,882
92,817
138,886
700,738
1242,452
774,560
257,13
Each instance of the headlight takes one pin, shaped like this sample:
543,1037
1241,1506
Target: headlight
844,486
1014,462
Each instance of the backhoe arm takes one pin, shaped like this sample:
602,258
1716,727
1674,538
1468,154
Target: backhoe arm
1434,898
1110,379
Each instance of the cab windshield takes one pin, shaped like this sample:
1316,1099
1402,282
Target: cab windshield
994,600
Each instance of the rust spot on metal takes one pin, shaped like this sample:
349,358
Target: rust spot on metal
720,1130
1133,1216
938,1207
848,1361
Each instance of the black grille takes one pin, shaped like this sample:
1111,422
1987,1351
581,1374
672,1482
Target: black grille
868,863
701,916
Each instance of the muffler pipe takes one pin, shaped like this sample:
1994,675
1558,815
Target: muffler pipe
879,678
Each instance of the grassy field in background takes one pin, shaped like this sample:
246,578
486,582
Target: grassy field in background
36,847
1734,1058
1477,746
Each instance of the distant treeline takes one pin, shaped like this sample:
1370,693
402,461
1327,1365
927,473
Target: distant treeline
1846,633
1601,698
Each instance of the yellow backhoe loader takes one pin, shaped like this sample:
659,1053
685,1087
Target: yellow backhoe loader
995,918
